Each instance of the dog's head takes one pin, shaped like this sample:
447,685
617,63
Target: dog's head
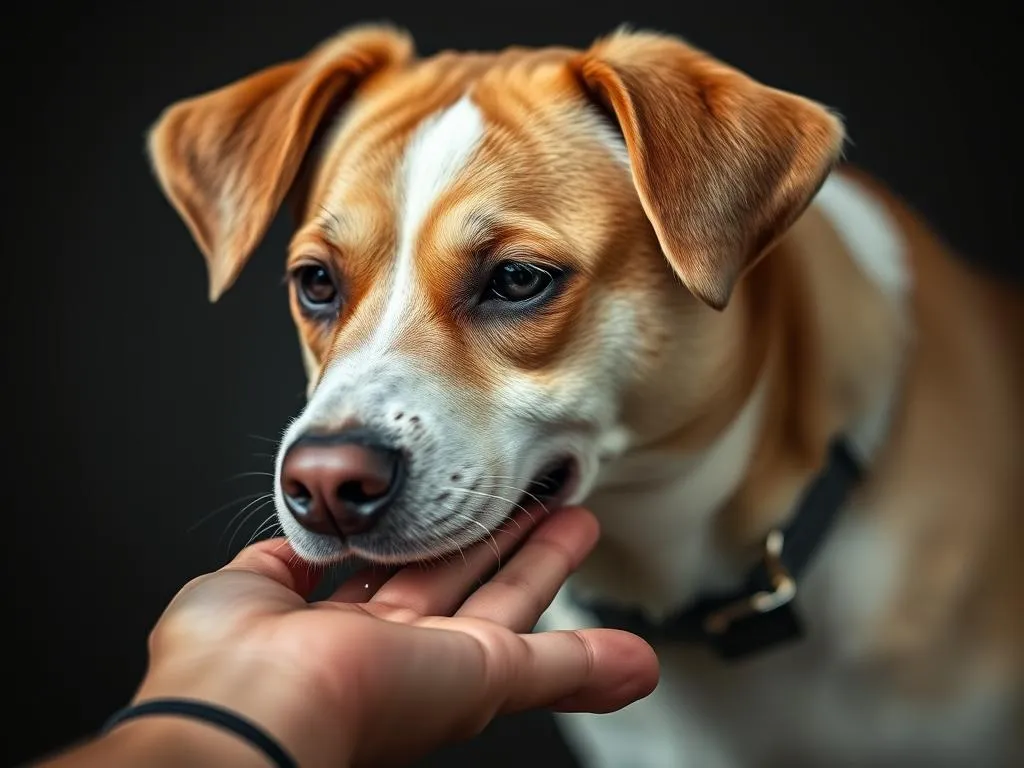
498,260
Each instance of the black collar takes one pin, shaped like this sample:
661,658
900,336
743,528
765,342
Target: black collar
762,614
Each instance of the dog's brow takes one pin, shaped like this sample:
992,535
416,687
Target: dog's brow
481,230
481,224
329,224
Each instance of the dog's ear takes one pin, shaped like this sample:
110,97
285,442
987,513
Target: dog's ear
227,159
723,165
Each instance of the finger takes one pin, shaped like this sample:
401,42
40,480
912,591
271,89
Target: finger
517,595
363,584
437,590
596,671
275,559
591,670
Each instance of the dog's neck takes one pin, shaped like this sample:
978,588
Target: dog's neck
825,342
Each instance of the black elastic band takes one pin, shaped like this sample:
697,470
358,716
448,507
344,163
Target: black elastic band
212,714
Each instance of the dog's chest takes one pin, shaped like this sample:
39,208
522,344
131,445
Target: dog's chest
819,700
656,513
799,705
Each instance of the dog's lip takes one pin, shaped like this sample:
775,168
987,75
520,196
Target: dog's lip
528,503
564,473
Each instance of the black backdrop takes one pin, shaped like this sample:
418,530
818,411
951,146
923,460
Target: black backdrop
132,402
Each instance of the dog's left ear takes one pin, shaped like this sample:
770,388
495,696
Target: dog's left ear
723,164
226,159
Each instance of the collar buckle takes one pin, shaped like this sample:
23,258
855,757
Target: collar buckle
782,592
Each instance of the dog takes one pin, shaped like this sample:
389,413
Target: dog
636,278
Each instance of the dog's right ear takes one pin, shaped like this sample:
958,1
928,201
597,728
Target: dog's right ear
723,164
227,159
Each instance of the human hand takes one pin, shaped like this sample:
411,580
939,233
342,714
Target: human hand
387,669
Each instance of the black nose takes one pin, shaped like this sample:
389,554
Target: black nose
340,484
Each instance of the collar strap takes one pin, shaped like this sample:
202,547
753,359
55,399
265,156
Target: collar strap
762,614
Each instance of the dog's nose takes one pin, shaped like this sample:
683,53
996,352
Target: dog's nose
340,484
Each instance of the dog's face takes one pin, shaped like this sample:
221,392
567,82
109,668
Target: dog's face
495,255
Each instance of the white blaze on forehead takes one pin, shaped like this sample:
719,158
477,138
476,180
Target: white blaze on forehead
435,156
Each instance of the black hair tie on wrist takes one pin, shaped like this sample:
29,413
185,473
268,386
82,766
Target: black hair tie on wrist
208,713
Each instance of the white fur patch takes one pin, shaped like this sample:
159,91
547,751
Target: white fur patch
873,239
869,232
436,155
671,501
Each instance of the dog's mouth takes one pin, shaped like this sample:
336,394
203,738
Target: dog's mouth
552,486
548,492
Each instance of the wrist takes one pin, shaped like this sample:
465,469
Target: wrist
162,741
171,740
287,706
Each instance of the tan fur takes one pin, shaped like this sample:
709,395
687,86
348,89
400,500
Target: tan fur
706,140
770,304
951,482
228,158
829,337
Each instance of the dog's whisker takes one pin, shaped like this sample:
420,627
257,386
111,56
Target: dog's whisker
543,484
256,473
444,557
245,520
458,548
267,525
441,548
510,478
484,528
523,492
221,508
256,531
281,543
259,499
493,496
263,438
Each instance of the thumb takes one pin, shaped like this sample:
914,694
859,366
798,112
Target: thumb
592,670
276,560
264,575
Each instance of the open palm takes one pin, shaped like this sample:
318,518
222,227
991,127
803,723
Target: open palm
394,664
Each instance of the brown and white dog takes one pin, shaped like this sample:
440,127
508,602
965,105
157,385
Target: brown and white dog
635,278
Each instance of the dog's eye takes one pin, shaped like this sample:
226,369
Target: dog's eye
315,286
518,281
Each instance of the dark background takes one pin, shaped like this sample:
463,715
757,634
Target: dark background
133,403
